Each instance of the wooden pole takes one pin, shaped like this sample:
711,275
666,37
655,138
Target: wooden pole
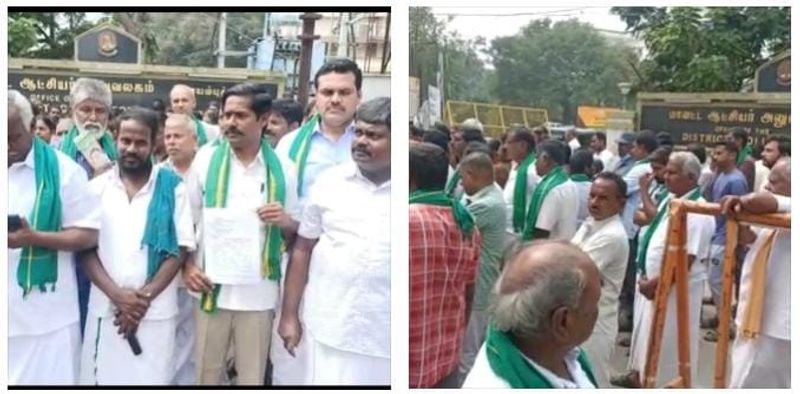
682,289
721,361
782,220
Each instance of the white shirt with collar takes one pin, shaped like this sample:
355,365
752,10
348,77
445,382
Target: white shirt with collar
508,192
559,212
41,313
119,243
247,189
482,375
608,158
322,154
347,299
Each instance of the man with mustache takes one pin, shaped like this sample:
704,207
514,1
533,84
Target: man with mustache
182,101
340,263
50,193
323,141
242,171
145,232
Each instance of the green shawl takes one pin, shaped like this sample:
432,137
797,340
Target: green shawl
160,235
202,136
555,177
580,178
521,191
106,142
462,216
508,363
452,184
644,240
298,152
743,154
39,266
216,195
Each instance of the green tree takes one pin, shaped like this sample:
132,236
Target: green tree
558,66
45,35
693,49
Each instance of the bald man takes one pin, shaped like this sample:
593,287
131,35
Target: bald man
182,101
543,307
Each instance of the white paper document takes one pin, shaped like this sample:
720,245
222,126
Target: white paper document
232,238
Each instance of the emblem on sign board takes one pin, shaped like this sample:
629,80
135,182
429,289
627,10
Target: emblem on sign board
784,72
107,43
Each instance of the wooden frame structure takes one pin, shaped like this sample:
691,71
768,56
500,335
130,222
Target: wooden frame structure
675,270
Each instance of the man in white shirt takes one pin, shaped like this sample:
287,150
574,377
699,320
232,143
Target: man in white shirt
580,168
554,204
775,148
242,172
521,149
182,101
681,175
145,232
544,306
571,136
343,253
602,236
322,142
601,152
44,336
761,354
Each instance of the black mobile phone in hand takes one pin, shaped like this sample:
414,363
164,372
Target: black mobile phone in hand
14,223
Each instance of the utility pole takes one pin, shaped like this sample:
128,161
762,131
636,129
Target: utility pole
341,49
223,21
266,25
307,40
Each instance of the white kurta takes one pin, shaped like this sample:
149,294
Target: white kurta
608,158
43,328
107,357
606,242
765,362
700,228
347,298
483,377
559,212
508,192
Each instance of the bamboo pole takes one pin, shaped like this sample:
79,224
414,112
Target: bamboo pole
782,220
682,288
721,361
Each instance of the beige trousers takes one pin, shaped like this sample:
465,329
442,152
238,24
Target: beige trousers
248,333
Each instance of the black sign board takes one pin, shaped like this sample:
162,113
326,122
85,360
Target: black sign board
775,76
106,44
52,89
707,123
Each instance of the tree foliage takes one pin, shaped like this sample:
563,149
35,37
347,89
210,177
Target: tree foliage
45,35
559,66
693,49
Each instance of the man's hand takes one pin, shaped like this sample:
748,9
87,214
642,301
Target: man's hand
273,213
126,323
648,287
195,279
132,303
21,238
291,331
730,205
645,181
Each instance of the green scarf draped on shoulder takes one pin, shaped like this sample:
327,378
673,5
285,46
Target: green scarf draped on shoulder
555,177
300,147
202,136
160,235
39,266
106,142
580,178
521,192
217,182
432,197
508,363
644,240
743,154
452,184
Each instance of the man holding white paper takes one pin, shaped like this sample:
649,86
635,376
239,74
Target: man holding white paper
249,219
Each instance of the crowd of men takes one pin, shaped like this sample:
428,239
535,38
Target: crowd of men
150,247
530,254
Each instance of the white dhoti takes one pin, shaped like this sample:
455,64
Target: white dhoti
763,362
47,359
644,312
107,358
288,370
330,366
598,349
183,357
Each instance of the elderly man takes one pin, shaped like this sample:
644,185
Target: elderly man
602,236
444,249
57,216
522,179
182,101
484,200
340,263
145,231
242,175
680,175
544,306
761,355
554,204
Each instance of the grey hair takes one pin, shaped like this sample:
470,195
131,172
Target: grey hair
526,312
185,121
181,86
90,89
688,163
477,161
472,123
23,107
377,111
